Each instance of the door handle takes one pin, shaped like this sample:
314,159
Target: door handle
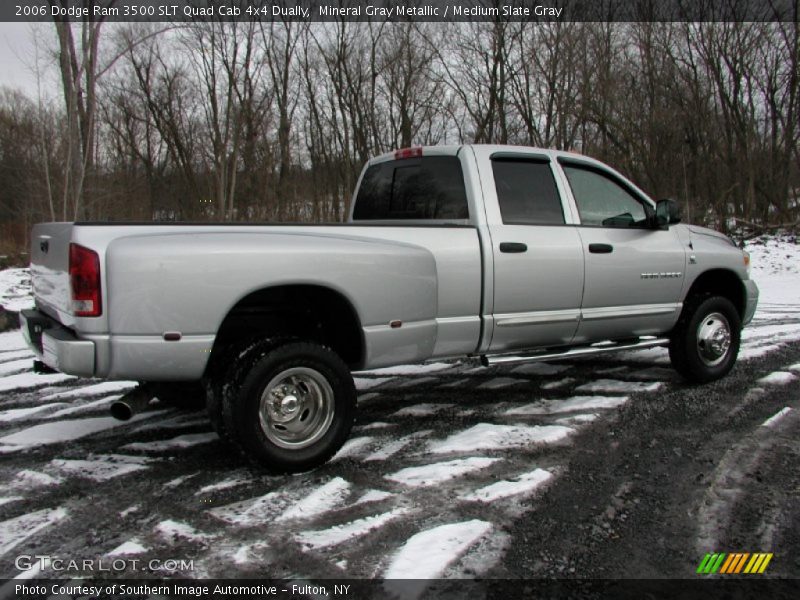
601,248
513,247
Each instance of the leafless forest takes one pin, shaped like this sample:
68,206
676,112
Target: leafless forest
273,121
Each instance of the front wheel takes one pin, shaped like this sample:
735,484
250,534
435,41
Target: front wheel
705,342
291,407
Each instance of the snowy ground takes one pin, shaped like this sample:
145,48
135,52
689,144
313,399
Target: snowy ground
444,458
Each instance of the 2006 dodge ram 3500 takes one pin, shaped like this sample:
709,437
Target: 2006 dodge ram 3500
508,253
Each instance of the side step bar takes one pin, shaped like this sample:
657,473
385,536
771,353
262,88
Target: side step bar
489,360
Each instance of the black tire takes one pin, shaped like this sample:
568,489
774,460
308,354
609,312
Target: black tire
289,407
705,342
224,371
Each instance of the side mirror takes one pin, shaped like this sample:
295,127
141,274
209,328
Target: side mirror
667,213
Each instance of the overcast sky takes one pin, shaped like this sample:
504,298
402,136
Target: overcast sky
18,56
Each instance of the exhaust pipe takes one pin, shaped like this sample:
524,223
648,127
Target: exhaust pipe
135,401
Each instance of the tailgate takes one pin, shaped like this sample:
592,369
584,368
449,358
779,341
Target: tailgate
50,269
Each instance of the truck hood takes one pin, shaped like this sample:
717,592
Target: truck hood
697,230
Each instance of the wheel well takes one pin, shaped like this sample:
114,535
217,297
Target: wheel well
721,282
309,312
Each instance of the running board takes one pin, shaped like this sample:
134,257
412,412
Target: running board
601,348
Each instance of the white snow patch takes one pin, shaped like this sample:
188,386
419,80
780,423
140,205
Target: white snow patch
545,407
656,355
15,289
254,511
488,436
428,553
127,548
456,383
410,369
776,417
364,398
88,406
552,385
794,367
177,443
180,480
540,368
614,386
9,499
524,484
12,340
373,496
129,511
394,447
313,540
778,378
7,355
34,479
751,352
500,382
15,366
319,501
101,468
174,531
16,414
421,410
578,419
25,381
64,431
434,473
374,425
225,484
105,387
353,447
15,531
364,383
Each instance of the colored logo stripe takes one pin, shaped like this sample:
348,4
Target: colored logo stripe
734,563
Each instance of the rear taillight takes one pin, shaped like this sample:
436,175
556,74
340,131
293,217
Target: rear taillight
84,279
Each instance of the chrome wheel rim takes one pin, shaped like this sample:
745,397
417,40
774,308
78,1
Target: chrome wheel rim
713,339
296,408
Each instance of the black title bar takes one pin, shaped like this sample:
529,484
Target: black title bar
187,11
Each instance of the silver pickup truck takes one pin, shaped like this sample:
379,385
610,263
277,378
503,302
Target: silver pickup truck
511,254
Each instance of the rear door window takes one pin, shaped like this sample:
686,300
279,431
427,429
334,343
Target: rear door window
526,192
430,187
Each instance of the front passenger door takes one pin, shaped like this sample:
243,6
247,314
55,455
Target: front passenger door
634,273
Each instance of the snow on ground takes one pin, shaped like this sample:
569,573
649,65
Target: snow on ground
15,289
15,531
173,531
776,417
366,383
388,450
778,378
29,480
100,468
488,436
524,484
319,501
63,431
29,380
612,386
12,341
128,548
576,403
422,410
106,387
438,472
337,534
176,443
15,366
225,484
88,406
427,554
410,369
16,414
500,382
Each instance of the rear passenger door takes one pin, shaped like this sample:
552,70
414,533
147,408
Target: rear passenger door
538,260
